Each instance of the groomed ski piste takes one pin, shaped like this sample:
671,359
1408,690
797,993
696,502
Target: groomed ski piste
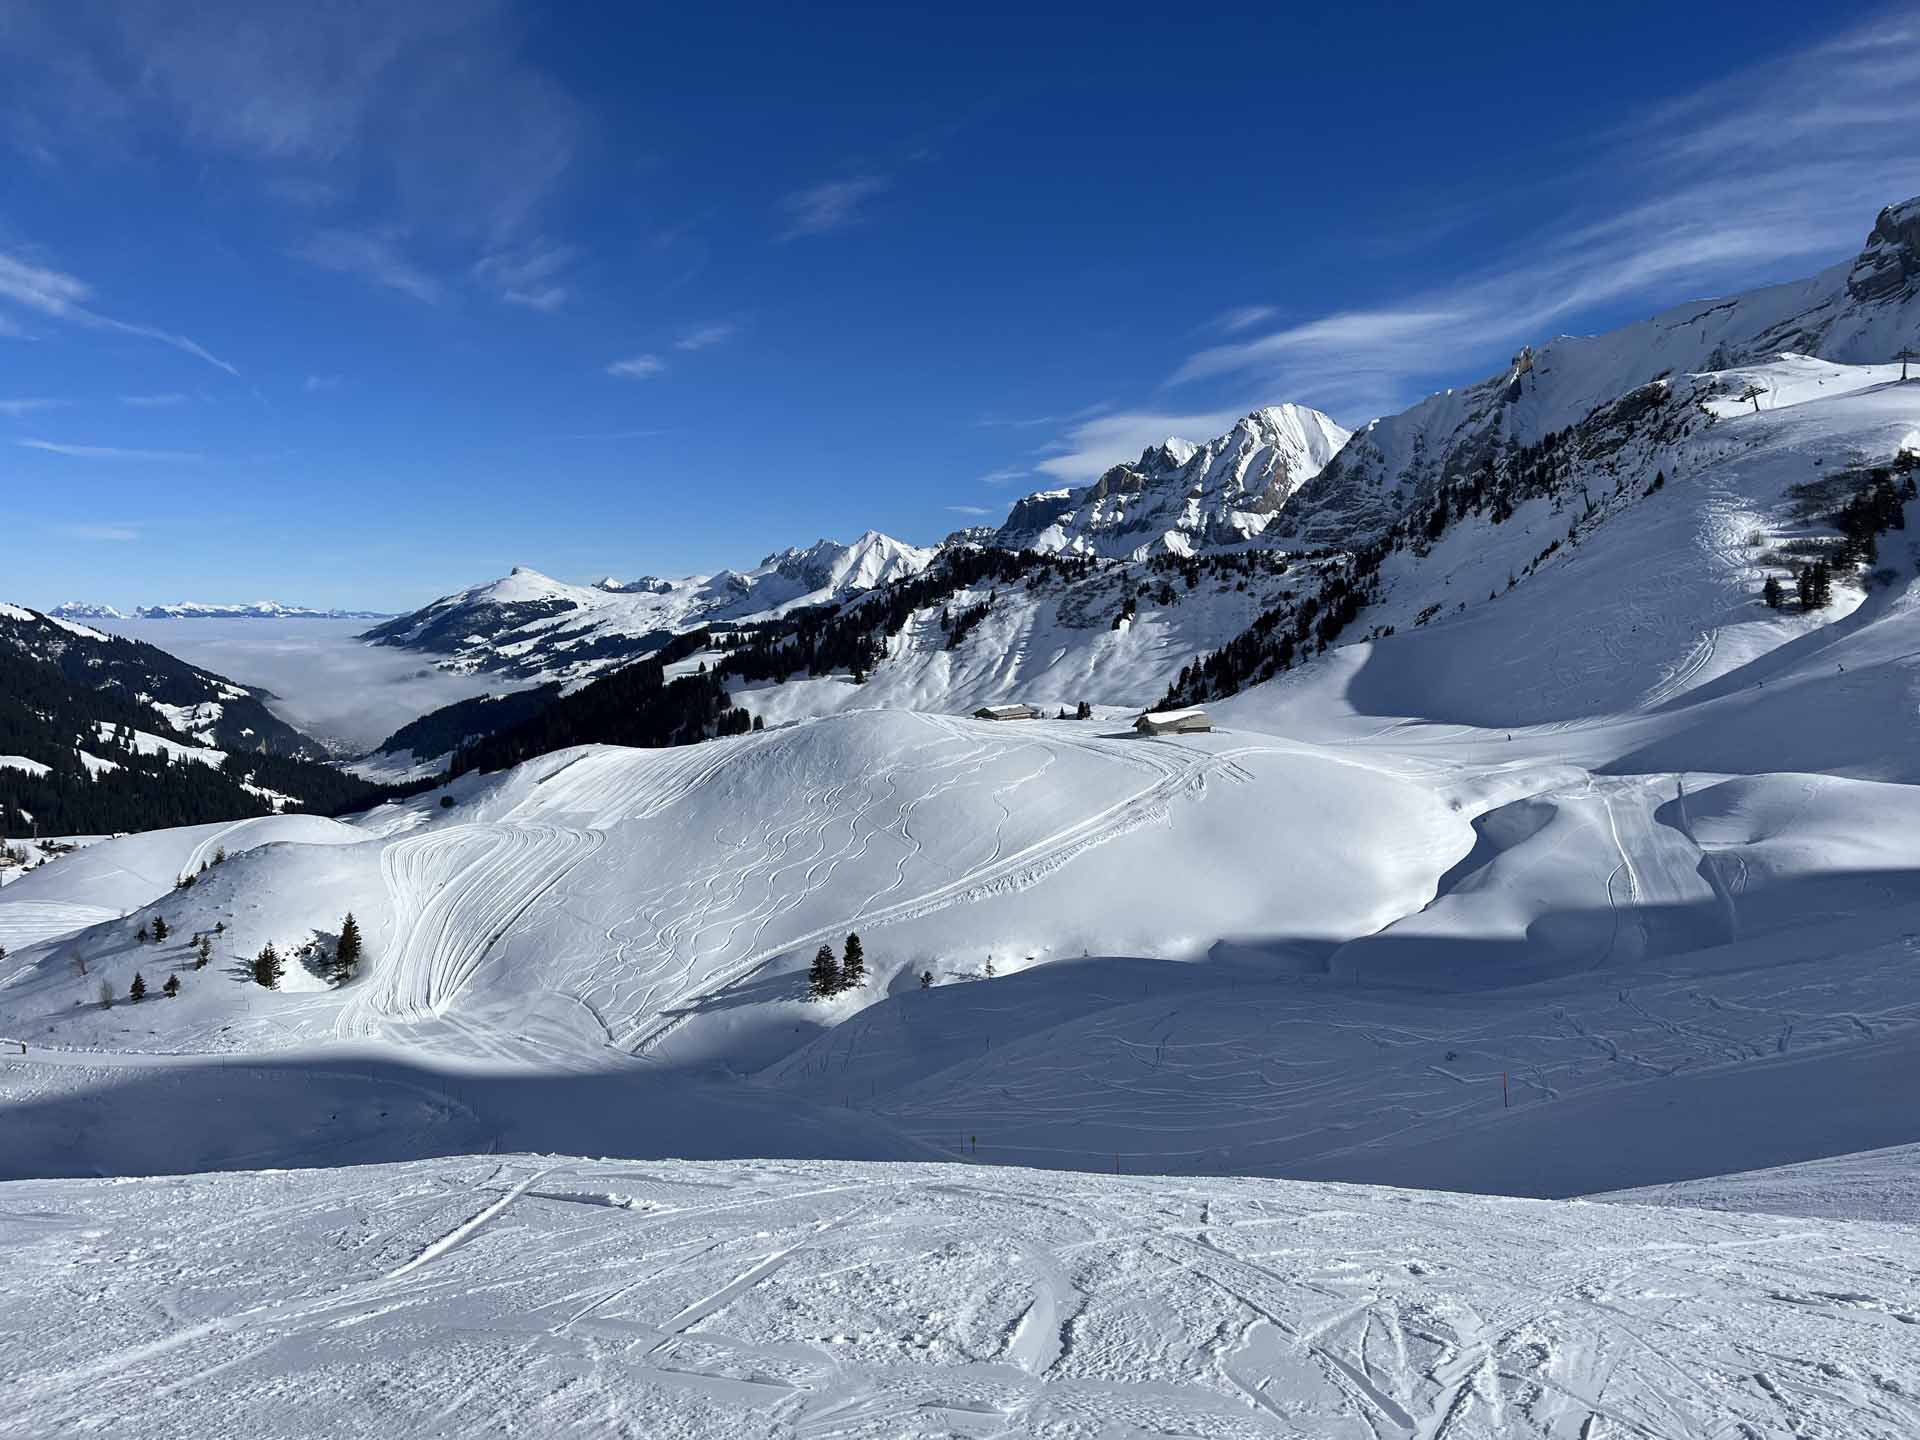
1608,882
522,1294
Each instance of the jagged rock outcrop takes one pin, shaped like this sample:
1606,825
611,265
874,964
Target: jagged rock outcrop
1181,497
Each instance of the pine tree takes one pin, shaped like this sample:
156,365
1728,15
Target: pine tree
142,934
1814,585
853,969
268,967
1772,593
160,931
220,856
172,987
926,979
138,990
346,954
202,953
823,980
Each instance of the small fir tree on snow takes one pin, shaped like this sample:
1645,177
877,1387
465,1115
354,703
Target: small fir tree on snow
823,979
926,979
346,954
220,856
143,934
268,967
137,991
219,927
172,987
853,969
160,931
1772,593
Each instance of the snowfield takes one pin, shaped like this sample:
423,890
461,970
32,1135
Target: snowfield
543,1295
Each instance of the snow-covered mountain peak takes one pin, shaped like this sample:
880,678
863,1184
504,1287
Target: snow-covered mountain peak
1182,497
534,625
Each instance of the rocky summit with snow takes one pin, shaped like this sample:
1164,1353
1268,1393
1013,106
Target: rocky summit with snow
531,626
815,1008
1180,498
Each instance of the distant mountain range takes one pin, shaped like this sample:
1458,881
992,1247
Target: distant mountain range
532,626
197,610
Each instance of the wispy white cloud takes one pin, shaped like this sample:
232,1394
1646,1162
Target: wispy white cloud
106,452
529,275
1030,422
374,256
30,406
316,383
704,336
977,511
94,532
434,114
1096,445
834,205
155,402
1006,476
1769,171
637,367
64,297
1244,317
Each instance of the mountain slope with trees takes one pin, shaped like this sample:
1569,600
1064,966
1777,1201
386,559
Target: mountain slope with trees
101,734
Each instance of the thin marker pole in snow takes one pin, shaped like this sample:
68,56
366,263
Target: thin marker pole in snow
1505,1102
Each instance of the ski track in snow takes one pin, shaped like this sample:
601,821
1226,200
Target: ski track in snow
782,1298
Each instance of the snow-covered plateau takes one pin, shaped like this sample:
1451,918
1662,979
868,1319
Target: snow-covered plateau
1504,1021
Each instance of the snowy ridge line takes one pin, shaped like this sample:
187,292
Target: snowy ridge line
203,853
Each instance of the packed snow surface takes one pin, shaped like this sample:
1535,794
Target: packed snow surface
544,1295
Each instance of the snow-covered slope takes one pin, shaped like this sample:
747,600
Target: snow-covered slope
1180,497
1871,1185
1861,312
532,626
542,1295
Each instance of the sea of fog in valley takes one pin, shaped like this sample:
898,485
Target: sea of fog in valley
347,694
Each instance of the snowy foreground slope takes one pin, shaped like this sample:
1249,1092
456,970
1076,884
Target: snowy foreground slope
541,1295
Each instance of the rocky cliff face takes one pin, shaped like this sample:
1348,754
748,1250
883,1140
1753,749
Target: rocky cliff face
1890,263
1180,497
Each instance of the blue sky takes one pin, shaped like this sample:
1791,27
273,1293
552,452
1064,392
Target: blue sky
360,303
